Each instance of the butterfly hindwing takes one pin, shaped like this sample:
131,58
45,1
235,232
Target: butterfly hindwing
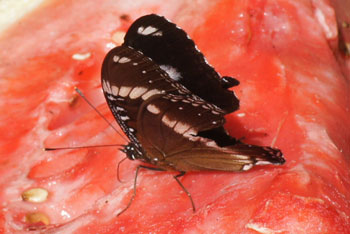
169,129
165,125
173,50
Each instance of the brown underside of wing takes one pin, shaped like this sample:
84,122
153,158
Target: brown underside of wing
233,158
168,132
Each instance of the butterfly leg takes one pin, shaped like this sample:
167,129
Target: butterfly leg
135,181
182,173
118,177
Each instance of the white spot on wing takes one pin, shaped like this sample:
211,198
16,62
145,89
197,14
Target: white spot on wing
168,122
115,90
262,163
172,72
247,167
106,87
116,58
124,117
153,109
140,30
181,127
137,92
124,91
159,34
124,60
110,97
149,30
150,93
120,108
205,107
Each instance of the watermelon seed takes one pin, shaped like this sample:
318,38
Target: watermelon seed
37,217
35,195
346,24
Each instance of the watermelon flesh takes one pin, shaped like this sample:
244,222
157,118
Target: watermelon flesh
294,95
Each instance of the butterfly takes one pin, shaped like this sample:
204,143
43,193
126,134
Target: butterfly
171,104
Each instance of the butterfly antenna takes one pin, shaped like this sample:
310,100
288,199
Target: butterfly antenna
80,147
98,112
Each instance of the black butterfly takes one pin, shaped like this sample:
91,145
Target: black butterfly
173,120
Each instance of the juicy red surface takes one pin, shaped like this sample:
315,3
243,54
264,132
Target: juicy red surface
293,93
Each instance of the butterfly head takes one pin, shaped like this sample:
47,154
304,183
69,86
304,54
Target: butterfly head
132,151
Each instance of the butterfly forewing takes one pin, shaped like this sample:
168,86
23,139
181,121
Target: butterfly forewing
173,50
128,79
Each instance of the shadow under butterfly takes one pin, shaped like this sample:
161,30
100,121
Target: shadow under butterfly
171,104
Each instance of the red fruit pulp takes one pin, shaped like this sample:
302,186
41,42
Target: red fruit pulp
293,93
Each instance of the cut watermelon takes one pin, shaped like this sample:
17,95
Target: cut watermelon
294,95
